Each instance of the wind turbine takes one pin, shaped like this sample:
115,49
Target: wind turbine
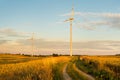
32,39
32,43
71,19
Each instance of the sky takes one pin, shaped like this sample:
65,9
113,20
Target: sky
96,26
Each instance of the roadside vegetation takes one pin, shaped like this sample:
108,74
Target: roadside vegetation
101,67
58,70
74,72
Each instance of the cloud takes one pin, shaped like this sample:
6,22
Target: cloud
1,37
92,25
107,15
3,41
94,20
114,23
41,43
95,45
42,46
98,45
112,15
10,32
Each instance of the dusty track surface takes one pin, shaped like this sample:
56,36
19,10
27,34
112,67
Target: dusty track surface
88,77
65,75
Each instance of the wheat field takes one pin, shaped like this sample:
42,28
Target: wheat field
105,65
40,69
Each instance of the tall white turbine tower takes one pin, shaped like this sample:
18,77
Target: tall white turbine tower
71,19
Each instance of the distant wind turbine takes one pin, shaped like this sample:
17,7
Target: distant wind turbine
32,39
32,43
71,19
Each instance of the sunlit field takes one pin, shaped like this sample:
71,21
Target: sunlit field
21,67
40,69
101,67
9,59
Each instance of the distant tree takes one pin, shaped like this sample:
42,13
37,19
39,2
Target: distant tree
55,55
60,55
117,54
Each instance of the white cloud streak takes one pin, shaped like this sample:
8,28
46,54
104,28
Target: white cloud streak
10,33
48,47
96,45
112,15
42,46
3,41
111,20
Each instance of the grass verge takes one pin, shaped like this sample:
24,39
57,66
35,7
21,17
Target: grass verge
92,69
57,71
72,72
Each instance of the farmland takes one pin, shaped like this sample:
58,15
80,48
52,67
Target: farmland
34,68
101,67
20,67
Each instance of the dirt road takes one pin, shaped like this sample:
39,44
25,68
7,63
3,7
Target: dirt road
88,77
65,75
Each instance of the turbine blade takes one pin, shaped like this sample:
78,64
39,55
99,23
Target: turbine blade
72,13
66,20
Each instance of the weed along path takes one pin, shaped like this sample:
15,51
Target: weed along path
88,77
65,75
71,72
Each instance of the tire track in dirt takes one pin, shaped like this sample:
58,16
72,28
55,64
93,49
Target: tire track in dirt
65,74
87,76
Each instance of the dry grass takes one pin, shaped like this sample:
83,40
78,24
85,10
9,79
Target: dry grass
32,70
13,58
110,64
103,60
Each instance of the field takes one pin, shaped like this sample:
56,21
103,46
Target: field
34,68
9,59
20,67
101,67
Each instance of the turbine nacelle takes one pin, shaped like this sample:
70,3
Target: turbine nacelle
70,19
72,16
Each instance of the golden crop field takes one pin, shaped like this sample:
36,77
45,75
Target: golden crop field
114,60
21,67
9,59
110,64
40,69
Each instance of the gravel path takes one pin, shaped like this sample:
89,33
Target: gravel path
65,75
